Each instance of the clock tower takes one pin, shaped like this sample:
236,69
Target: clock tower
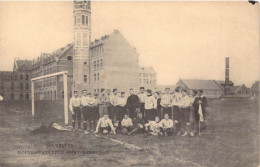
82,32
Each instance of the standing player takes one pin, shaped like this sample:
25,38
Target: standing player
200,104
185,113
142,96
158,111
132,104
85,110
150,106
113,105
176,110
166,102
75,109
103,101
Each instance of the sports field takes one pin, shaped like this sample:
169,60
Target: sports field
229,141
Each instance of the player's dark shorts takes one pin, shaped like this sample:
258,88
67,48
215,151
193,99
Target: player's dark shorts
176,113
101,129
77,113
128,128
167,110
185,115
149,114
87,113
95,113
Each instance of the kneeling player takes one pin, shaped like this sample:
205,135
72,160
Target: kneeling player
127,124
153,127
138,124
105,125
166,125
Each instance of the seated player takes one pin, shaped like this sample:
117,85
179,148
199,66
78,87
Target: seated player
153,127
126,124
166,125
138,124
105,125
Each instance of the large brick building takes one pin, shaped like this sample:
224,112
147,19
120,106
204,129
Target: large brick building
15,85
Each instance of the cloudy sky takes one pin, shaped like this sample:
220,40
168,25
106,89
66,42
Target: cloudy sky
188,40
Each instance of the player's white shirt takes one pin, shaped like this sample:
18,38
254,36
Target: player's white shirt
176,99
127,122
74,102
154,126
84,100
166,123
142,97
1,98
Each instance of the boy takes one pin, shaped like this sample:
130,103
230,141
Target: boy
142,96
200,104
150,106
153,127
176,110
75,109
138,124
105,125
158,111
185,112
166,102
85,110
103,101
126,124
166,125
132,104
113,106
91,109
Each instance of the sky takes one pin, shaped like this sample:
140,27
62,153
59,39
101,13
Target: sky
187,40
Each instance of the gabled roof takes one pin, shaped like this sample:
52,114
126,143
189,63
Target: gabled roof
202,84
23,65
223,82
147,70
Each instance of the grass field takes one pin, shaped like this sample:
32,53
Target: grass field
229,141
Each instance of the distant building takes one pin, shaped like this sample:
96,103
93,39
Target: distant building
223,83
211,88
255,88
161,88
15,85
240,91
48,63
147,78
113,64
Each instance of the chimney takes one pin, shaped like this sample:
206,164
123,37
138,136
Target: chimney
227,72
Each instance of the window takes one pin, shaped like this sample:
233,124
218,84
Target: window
85,63
83,20
27,86
21,96
21,77
75,20
140,81
12,86
12,96
101,63
78,39
15,77
2,86
85,78
95,90
97,64
27,77
98,76
69,58
95,77
27,96
85,39
21,86
86,20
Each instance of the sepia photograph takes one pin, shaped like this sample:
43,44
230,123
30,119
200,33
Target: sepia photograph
129,83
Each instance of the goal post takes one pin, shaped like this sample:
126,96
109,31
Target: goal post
65,81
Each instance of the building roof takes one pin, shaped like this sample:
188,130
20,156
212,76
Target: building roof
202,84
223,82
234,88
147,70
23,64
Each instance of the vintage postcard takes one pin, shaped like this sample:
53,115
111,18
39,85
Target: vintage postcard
129,83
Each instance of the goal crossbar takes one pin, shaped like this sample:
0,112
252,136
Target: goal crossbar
65,79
